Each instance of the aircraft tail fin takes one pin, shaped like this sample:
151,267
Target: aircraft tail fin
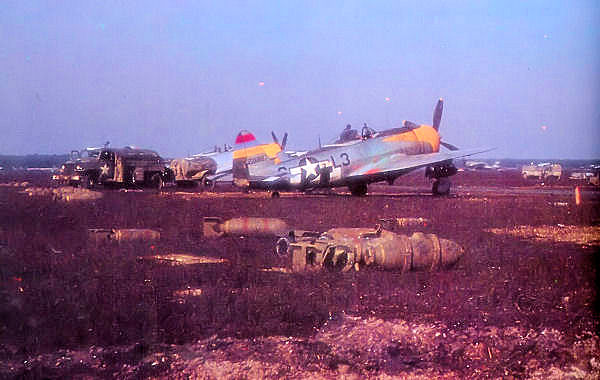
245,137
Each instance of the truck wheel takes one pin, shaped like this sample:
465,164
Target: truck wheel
207,184
87,182
282,247
157,182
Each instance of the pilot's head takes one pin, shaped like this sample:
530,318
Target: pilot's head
348,126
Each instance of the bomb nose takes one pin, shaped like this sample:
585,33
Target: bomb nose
451,252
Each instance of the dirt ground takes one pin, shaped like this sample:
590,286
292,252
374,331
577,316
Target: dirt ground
521,303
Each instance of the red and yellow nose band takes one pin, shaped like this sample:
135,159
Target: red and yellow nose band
424,133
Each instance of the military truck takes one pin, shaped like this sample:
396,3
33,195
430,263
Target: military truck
63,175
546,172
595,178
125,166
589,174
66,174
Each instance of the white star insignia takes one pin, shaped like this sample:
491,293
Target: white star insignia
311,169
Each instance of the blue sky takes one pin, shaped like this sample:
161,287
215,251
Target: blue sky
181,76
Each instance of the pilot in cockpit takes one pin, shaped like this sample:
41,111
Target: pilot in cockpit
348,134
367,132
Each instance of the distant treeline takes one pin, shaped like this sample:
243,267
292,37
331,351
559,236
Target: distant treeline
518,162
33,161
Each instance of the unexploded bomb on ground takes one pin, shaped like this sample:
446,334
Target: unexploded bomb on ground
342,249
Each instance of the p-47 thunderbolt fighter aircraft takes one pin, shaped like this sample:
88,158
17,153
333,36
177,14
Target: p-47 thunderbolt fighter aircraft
356,162
215,166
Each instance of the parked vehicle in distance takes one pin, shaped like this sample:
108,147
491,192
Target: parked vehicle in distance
589,174
124,166
546,172
66,171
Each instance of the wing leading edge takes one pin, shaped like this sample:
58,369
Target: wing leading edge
401,163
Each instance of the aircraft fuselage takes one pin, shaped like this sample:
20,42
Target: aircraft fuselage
332,166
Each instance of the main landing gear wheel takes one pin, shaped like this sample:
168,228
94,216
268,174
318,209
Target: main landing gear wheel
441,186
275,194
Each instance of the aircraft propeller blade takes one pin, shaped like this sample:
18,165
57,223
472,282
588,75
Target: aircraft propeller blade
448,145
437,114
276,140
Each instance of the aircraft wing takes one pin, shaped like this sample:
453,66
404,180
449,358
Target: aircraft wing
401,163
